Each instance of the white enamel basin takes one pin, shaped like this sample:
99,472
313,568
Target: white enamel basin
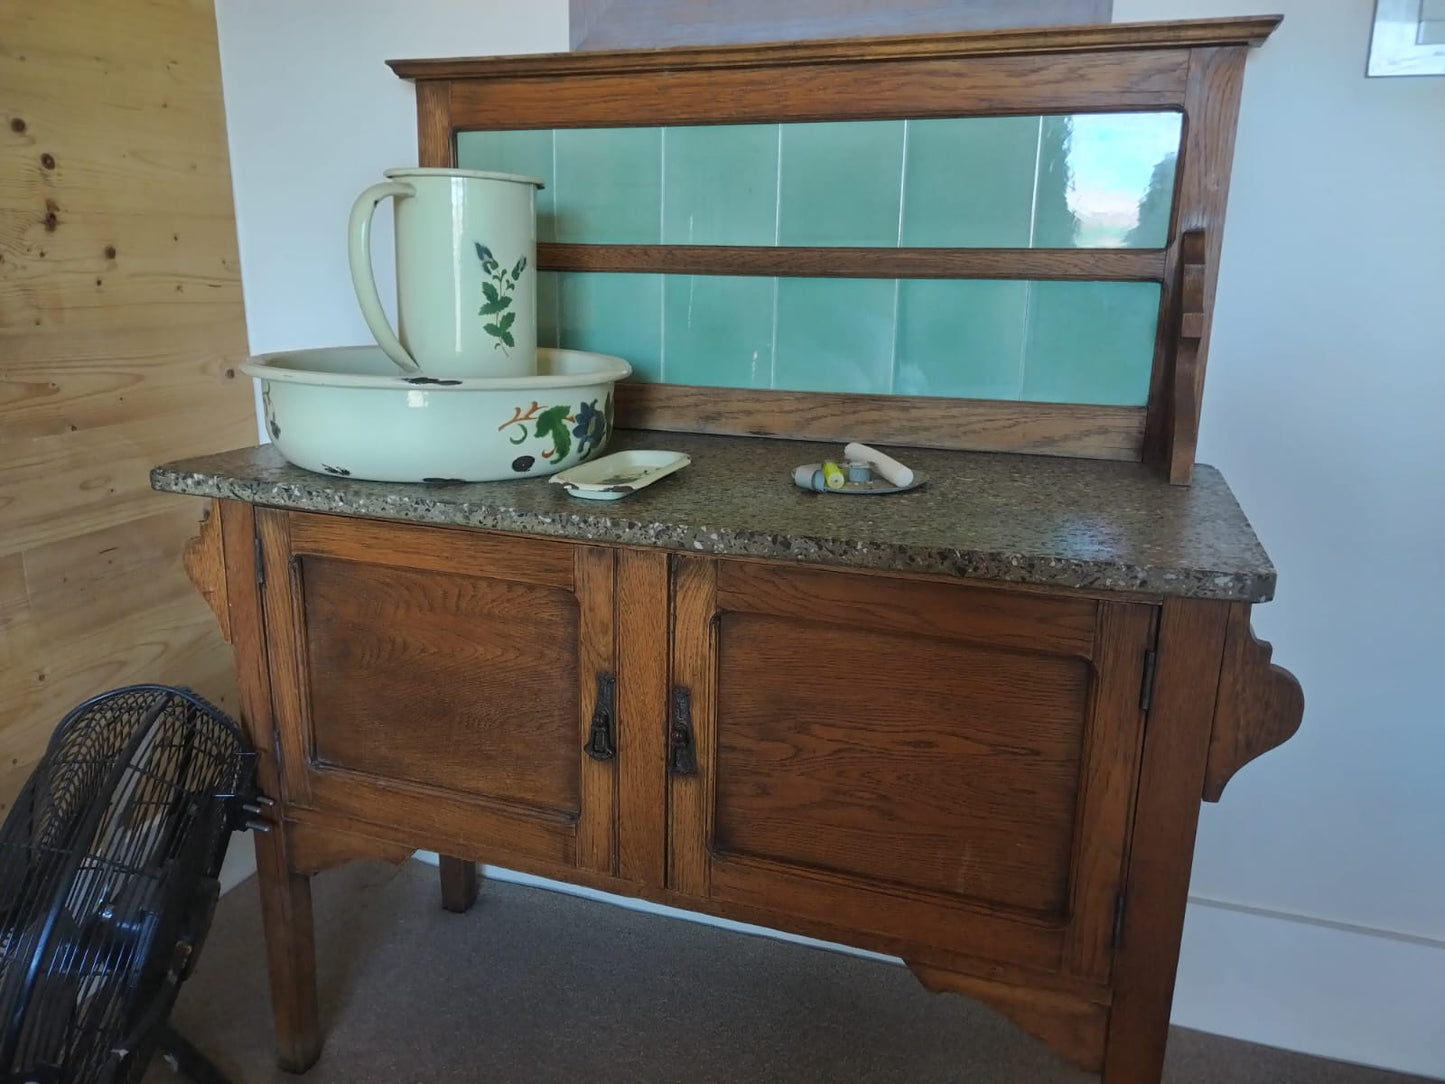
347,411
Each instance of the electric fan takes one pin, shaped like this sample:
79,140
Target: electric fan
108,882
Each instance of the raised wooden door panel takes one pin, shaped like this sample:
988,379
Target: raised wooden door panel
443,681
924,761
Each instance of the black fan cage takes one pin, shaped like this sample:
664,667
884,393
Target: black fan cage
108,865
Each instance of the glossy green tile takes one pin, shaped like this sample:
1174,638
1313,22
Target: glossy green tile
1054,223
1122,169
1106,180
614,314
548,298
834,335
718,330
1090,342
960,338
720,184
969,182
609,185
840,183
527,152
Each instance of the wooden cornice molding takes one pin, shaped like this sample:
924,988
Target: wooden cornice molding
1252,30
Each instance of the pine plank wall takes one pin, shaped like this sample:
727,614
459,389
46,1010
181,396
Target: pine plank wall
120,327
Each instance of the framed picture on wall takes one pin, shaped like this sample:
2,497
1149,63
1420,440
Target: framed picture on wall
1408,38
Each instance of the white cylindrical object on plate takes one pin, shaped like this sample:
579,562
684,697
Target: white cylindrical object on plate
887,466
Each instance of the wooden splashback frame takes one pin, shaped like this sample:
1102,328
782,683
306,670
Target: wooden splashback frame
1195,67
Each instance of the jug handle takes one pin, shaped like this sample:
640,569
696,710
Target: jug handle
363,277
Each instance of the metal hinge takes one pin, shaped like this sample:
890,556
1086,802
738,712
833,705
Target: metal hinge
602,739
260,562
1146,693
1119,918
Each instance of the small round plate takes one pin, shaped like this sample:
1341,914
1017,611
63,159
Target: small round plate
874,488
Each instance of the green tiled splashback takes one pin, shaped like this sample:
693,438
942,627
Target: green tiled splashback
1059,342
1101,180
1094,181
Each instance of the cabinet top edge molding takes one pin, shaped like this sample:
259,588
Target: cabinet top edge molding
1108,37
1070,524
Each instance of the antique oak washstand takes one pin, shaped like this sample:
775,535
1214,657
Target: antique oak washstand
970,725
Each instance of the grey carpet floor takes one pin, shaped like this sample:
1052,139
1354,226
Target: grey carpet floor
539,986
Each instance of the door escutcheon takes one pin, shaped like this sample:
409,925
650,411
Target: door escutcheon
602,739
682,751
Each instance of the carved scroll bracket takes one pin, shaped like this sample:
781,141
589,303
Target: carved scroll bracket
1259,705
205,562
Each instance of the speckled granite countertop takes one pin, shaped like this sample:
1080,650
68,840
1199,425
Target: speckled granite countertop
1015,518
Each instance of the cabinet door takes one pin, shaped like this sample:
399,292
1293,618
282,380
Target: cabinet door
441,684
928,763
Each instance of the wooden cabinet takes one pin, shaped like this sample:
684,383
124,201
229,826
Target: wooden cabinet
999,783
991,767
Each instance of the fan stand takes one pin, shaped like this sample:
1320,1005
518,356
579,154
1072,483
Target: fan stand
185,1060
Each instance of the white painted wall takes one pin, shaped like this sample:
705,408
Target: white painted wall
314,115
1319,914
1325,408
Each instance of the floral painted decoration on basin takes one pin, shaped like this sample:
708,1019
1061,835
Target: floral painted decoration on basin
554,428
269,410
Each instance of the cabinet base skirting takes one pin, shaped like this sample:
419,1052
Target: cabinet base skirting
1073,1027
314,848
313,828
1072,1022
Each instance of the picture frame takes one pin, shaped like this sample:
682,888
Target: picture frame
1408,38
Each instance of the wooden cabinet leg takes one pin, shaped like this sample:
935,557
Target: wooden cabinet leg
290,953
460,880
1171,783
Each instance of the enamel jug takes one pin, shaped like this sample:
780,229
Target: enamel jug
466,275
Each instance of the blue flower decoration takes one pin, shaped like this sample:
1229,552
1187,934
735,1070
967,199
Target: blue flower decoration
591,427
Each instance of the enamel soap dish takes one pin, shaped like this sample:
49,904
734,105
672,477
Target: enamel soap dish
619,474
